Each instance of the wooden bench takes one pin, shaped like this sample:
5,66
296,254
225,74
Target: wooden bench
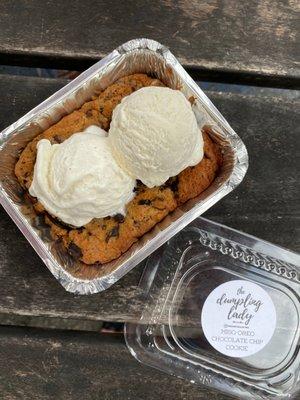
234,40
51,346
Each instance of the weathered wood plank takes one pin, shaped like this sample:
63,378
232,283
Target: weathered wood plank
38,365
216,39
264,205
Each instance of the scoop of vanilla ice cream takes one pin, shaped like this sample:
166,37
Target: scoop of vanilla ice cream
79,179
154,135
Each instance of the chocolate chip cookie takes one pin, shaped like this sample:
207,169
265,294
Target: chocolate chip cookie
105,239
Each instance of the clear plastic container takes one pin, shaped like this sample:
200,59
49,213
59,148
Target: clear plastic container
222,309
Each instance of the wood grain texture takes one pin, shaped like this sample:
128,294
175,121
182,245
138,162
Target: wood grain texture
265,205
217,39
42,365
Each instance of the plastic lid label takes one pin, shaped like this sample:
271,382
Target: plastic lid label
238,318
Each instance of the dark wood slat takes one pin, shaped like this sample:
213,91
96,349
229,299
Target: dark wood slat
251,41
37,364
264,205
20,94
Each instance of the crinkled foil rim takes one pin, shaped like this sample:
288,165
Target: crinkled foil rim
127,58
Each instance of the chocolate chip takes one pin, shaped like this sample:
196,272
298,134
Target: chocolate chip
101,109
119,218
173,184
206,155
114,232
139,187
74,250
97,264
89,113
144,202
57,139
20,192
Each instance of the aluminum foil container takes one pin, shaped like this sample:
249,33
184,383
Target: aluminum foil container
139,55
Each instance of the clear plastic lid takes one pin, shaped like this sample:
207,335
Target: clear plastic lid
222,309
